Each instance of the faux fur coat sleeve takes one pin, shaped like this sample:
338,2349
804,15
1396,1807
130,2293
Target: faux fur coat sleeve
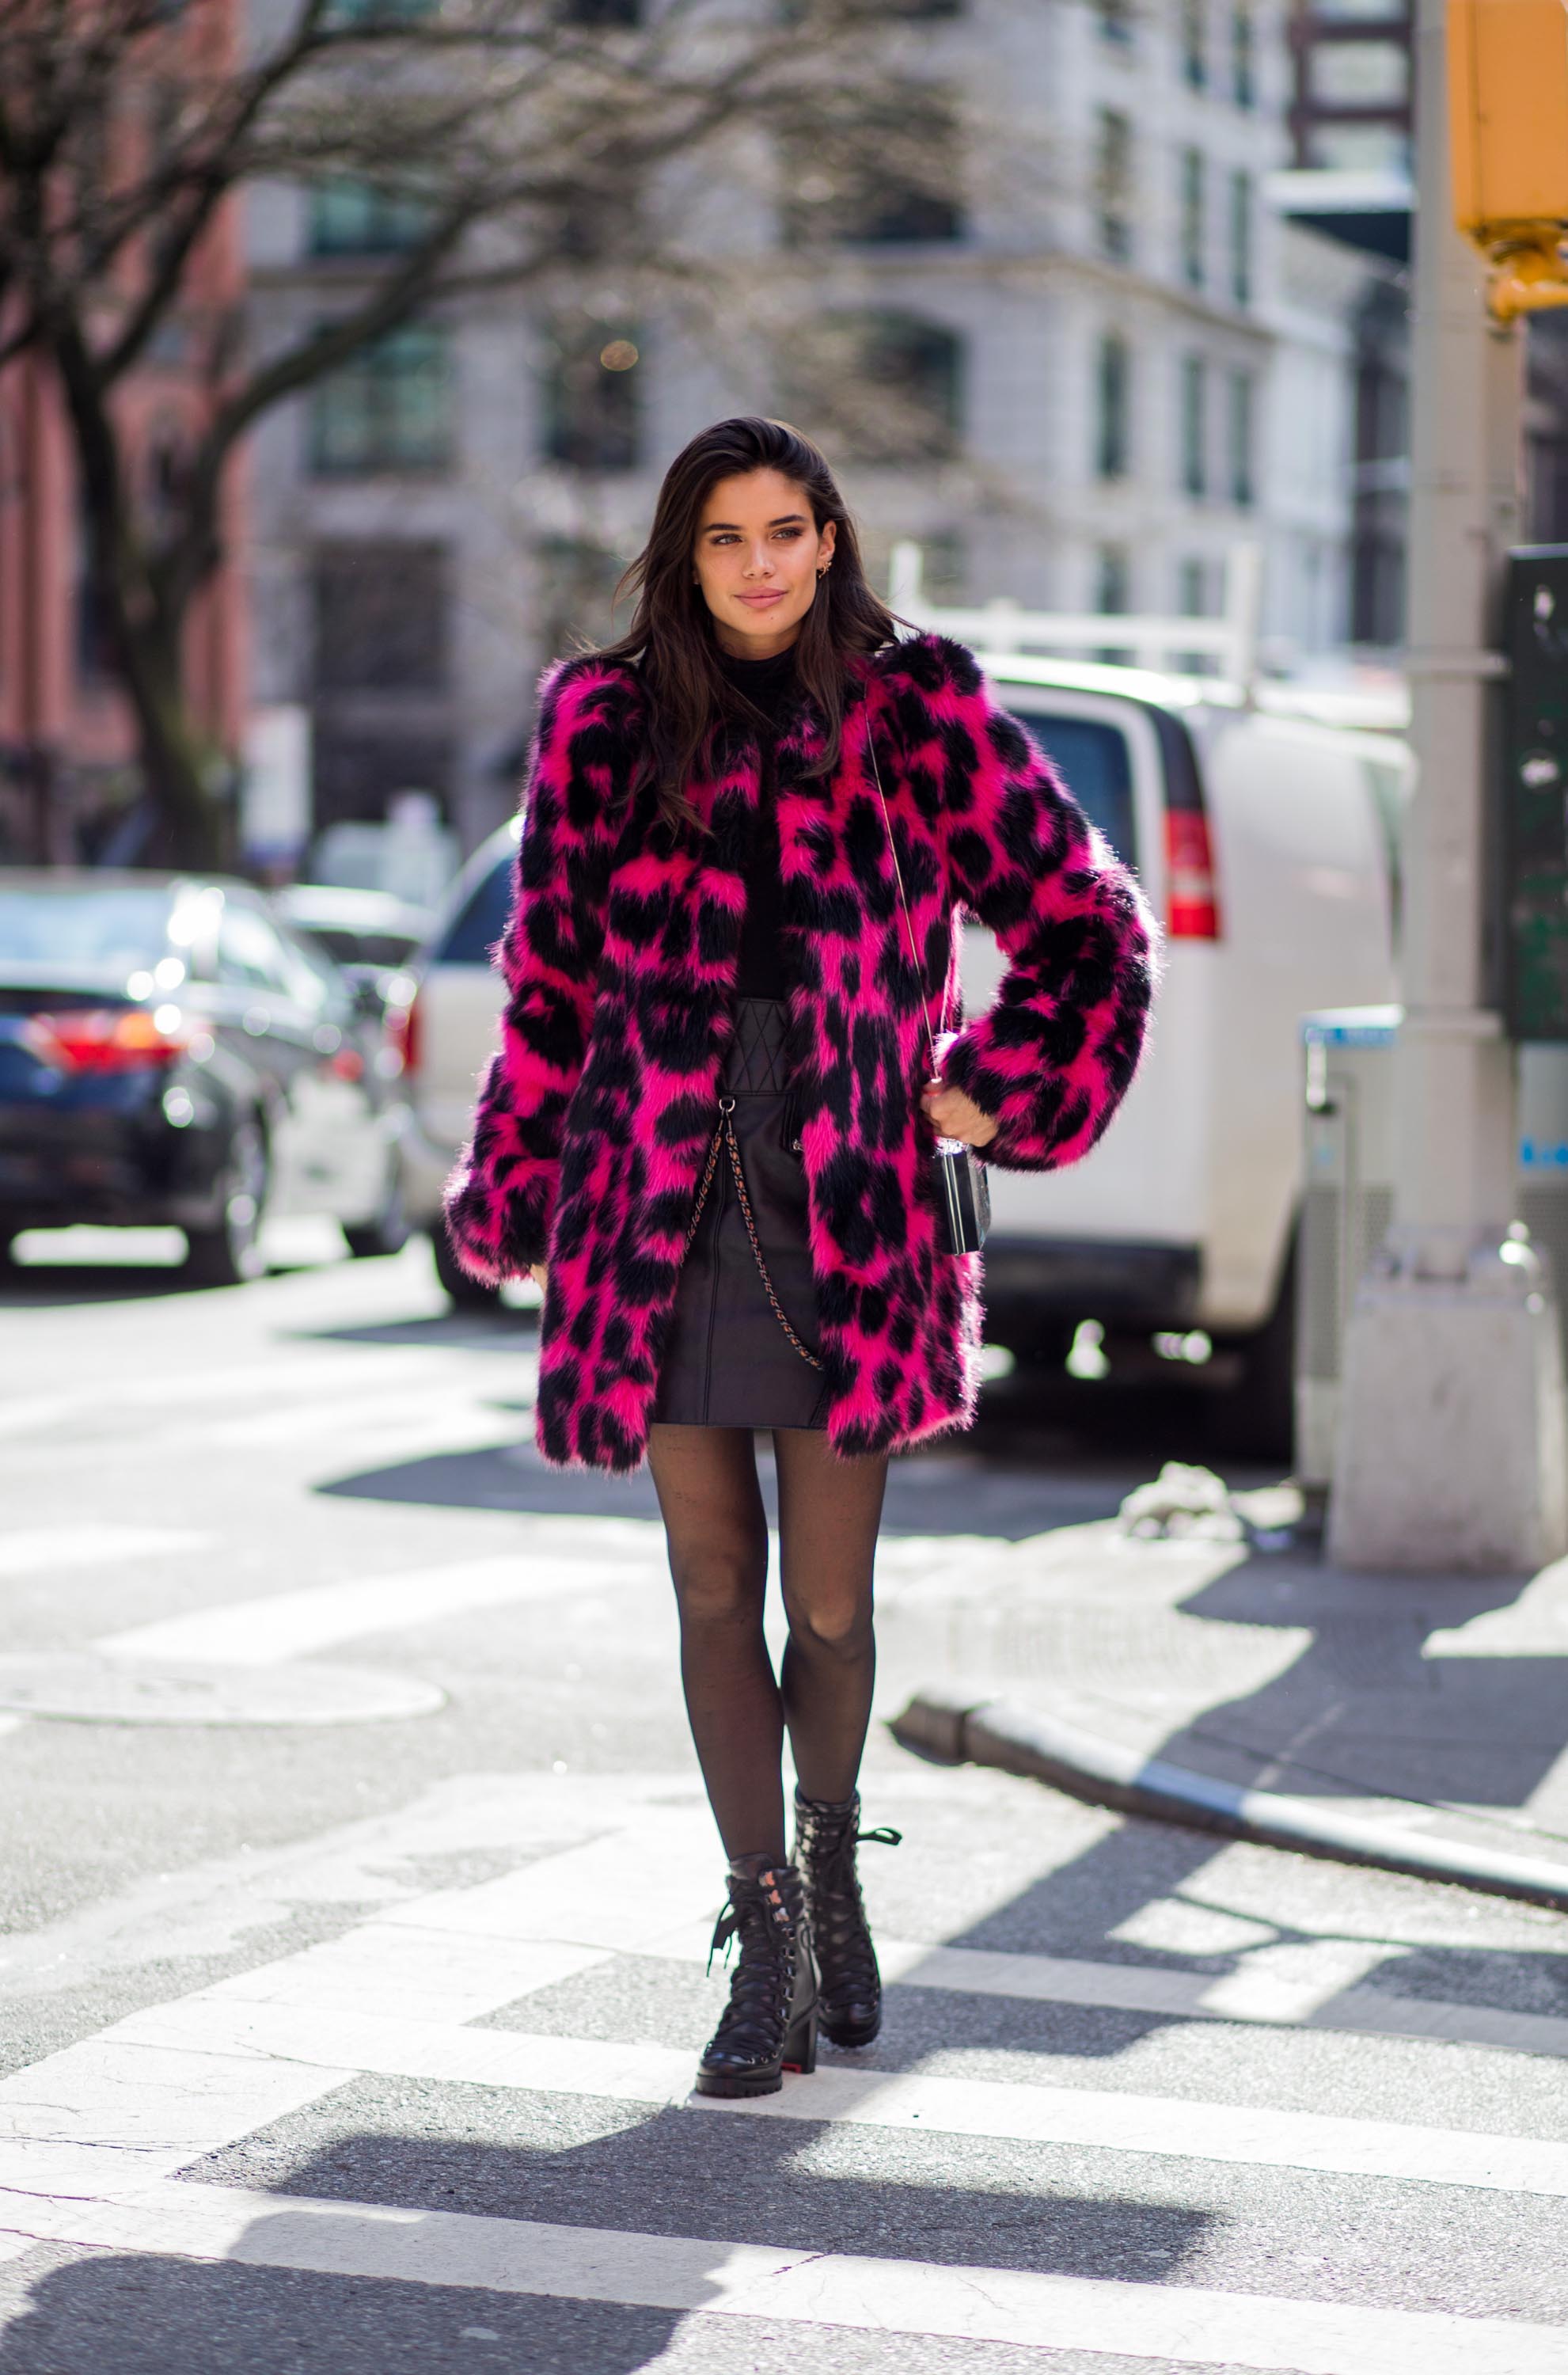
501,1198
1055,1052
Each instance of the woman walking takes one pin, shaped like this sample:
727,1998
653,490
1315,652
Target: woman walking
750,828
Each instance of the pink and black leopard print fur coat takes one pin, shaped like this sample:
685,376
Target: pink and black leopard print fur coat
620,961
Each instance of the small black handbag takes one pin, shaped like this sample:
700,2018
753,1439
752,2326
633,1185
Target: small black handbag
963,1193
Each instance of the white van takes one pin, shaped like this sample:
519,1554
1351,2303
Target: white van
1266,843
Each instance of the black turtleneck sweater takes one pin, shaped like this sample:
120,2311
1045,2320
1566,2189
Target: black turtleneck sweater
767,685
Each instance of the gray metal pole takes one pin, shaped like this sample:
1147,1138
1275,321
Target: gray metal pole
1453,1451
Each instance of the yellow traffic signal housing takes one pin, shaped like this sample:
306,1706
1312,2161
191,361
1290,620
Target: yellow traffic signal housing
1508,128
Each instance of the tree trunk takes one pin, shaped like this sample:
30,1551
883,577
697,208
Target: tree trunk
191,827
145,617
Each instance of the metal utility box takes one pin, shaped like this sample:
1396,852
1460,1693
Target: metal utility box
1534,796
1348,1199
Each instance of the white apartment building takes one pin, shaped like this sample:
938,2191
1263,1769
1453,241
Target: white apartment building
1087,363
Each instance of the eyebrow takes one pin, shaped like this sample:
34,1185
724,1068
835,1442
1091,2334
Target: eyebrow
785,519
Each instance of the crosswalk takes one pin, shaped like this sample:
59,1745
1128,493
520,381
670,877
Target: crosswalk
491,1997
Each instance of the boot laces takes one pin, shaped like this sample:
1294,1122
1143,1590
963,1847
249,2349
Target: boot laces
763,1979
828,1845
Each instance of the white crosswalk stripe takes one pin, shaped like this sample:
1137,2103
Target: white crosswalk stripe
1058,2115
552,1555
93,2138
1181,2325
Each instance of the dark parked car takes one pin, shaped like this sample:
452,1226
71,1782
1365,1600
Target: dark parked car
172,1051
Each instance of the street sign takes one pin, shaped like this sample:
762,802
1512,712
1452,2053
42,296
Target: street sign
1534,795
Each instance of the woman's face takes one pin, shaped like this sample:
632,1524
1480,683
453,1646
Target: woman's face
757,559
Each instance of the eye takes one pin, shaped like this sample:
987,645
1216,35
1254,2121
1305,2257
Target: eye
791,534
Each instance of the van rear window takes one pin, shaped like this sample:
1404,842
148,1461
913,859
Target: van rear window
481,920
1096,767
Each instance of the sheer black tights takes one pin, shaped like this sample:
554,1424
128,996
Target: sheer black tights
828,1513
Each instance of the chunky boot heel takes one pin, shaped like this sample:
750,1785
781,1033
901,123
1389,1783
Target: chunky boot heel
800,2046
826,1837
769,2023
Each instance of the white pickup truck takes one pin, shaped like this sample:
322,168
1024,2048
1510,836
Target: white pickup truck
1266,842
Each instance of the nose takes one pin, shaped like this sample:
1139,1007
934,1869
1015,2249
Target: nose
759,562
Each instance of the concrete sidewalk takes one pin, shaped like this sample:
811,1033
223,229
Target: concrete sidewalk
1434,1711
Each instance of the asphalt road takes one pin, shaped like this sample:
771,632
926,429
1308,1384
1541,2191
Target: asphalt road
358,2038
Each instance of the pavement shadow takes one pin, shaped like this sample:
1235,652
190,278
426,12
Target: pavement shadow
338,2289
679,2175
134,2313
43,1286
1364,1712
925,1496
463,1332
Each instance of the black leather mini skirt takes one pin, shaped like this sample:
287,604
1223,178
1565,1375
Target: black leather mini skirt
728,1361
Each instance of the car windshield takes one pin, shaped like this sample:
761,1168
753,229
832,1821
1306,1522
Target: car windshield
1096,767
481,919
108,930
349,945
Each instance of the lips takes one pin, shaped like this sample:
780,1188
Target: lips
759,601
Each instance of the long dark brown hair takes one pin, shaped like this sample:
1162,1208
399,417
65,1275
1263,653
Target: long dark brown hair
671,636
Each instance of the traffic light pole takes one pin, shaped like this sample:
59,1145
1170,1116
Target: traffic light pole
1453,1451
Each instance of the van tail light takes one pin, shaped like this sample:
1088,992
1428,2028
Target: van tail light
106,1039
1192,904
403,1034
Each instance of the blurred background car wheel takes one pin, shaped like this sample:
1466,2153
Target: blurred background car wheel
386,1232
467,1293
229,1253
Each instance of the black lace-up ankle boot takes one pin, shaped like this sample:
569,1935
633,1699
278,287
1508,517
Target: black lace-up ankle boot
826,1836
769,2023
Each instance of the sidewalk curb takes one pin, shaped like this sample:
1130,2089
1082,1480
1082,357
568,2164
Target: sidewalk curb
1017,1739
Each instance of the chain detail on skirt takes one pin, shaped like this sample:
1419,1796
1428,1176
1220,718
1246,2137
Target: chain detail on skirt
740,1350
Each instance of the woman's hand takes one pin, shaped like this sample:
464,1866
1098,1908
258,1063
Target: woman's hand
539,1272
956,1115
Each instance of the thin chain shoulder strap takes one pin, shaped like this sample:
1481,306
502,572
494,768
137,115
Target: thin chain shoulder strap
903,900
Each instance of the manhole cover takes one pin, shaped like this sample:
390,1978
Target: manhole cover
76,1687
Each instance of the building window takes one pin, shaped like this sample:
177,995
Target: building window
345,15
1112,376
885,387
355,770
1115,21
593,399
1112,183
1194,600
892,181
574,583
381,617
1240,238
1193,227
913,371
388,408
1195,426
1244,55
1112,579
1194,43
350,217
1243,432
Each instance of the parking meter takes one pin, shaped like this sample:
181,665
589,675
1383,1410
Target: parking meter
1534,796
